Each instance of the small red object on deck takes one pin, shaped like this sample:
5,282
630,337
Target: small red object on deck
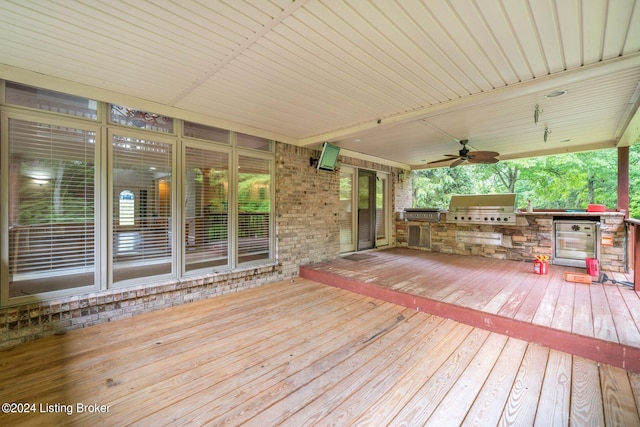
541,264
592,267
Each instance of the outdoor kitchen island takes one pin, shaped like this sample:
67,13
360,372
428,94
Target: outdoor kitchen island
531,235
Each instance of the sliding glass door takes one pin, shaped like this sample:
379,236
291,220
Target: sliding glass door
364,209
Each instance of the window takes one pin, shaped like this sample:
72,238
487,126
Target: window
51,207
127,207
206,219
54,102
128,116
208,133
57,184
253,142
142,248
254,211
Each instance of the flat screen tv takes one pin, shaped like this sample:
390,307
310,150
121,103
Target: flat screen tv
329,157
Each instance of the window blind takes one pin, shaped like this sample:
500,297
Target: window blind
142,247
346,211
206,208
51,207
254,208
381,197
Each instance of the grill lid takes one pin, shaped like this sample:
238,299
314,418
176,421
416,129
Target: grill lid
423,210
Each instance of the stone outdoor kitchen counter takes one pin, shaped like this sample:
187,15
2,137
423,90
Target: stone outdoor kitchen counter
532,235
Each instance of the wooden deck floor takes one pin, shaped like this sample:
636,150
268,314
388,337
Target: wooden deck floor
302,353
599,321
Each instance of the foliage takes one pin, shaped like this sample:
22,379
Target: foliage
67,197
253,193
568,181
434,187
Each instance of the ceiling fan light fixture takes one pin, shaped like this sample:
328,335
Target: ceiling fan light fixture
556,93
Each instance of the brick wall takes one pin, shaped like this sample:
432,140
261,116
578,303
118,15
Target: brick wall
403,195
307,206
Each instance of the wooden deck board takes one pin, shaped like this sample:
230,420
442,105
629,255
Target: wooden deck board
619,406
586,396
522,403
626,327
582,313
461,396
429,396
554,411
355,393
603,325
488,405
600,321
538,287
386,407
302,353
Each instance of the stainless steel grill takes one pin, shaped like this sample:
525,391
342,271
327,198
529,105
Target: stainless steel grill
482,209
422,214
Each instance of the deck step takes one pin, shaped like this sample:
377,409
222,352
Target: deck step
620,355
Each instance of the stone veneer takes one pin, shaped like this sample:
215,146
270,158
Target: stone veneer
306,228
531,236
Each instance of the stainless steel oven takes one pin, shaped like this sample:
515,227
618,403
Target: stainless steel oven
575,241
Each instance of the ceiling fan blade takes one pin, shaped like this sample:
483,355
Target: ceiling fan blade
457,162
483,161
482,155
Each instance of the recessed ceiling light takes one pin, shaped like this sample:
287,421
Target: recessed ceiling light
555,94
357,140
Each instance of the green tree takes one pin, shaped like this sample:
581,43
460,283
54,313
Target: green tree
433,187
569,181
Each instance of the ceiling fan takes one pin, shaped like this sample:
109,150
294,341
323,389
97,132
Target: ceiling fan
464,155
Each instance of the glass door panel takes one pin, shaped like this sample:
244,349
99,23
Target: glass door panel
366,209
347,213
382,202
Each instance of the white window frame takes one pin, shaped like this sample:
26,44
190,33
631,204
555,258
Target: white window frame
176,232
219,148
52,120
233,194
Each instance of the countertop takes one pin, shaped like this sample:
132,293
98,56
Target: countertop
564,213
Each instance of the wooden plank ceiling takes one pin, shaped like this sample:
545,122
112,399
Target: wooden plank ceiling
398,80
